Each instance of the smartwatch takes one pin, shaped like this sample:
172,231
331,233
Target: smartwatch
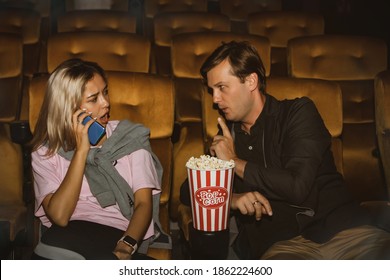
129,241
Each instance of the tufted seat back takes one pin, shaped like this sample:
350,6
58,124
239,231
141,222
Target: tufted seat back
281,26
154,7
116,5
11,72
239,10
167,25
141,98
11,169
356,57
96,20
13,211
114,51
27,24
353,62
12,206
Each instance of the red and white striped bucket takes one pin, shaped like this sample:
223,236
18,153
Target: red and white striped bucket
210,192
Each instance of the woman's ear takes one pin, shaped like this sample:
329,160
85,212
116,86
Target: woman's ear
252,81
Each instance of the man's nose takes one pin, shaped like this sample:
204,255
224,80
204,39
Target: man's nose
216,96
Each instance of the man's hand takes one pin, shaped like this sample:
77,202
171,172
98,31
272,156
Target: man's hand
251,203
223,146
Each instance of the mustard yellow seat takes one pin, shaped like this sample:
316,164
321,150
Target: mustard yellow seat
169,24
281,26
143,98
154,7
352,62
43,7
13,210
27,23
114,51
96,20
11,75
116,5
239,10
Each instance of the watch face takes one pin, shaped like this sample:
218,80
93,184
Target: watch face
130,240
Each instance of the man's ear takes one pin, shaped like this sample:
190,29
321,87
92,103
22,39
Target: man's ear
252,81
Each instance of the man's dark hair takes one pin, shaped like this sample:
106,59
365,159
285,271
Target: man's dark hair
243,58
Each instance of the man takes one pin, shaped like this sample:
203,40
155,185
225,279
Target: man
289,202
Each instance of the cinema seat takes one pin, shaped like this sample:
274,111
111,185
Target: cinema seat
13,210
154,7
281,26
169,24
239,10
352,62
11,76
114,51
96,20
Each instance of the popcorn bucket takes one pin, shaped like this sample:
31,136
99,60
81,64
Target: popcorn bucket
210,192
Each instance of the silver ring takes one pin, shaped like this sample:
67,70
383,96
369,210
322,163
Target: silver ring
255,202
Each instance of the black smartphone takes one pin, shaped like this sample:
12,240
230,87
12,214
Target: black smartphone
95,132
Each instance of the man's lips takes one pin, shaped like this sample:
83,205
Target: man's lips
223,109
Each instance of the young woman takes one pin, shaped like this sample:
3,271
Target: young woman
95,200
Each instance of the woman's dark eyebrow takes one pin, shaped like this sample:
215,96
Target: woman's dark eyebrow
94,94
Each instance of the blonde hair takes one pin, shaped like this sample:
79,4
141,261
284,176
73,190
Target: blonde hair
63,97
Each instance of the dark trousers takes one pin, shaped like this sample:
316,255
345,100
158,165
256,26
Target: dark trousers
91,240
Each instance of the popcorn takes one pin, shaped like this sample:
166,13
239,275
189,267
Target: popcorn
206,162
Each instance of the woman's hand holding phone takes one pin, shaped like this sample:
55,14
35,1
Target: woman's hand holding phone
95,130
81,130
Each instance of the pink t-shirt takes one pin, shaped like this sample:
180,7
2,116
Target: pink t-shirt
137,169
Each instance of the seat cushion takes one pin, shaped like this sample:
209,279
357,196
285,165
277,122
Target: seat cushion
16,215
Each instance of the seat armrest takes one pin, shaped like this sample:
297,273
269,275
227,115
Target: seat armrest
20,132
386,132
380,213
184,219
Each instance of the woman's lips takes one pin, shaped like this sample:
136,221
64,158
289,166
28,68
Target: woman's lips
104,119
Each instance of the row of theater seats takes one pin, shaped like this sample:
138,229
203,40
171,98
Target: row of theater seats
350,61
278,26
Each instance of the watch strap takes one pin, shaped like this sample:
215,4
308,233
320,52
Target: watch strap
129,241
